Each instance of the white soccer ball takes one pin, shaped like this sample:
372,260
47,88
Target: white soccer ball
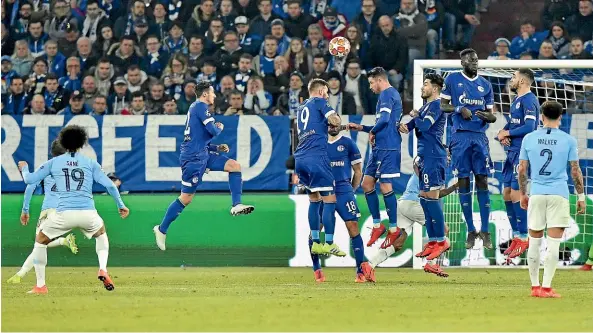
339,47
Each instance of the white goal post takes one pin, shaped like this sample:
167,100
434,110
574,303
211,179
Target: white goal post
554,75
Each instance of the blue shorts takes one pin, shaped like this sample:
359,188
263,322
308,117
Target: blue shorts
432,173
509,170
346,206
470,153
193,171
384,165
315,173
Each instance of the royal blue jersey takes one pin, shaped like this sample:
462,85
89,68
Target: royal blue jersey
388,114
524,109
412,191
548,151
50,200
312,127
343,154
199,132
74,175
430,126
474,94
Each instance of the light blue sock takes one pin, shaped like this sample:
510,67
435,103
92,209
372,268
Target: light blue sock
521,220
314,219
236,187
484,203
438,219
373,203
358,248
175,208
428,220
465,199
512,217
314,257
329,221
391,207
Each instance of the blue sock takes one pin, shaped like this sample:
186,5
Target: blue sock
314,257
465,199
391,206
236,187
438,219
521,219
428,220
328,219
175,208
314,219
484,202
373,203
512,216
358,248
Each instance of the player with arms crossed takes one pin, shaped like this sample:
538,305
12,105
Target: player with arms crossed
345,158
524,120
547,151
385,160
197,156
312,165
74,175
50,202
468,96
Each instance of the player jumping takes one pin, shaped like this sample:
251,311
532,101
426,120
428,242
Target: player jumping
74,175
50,202
345,158
469,97
385,157
524,120
547,152
197,156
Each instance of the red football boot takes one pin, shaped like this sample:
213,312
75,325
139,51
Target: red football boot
106,279
535,291
435,269
368,271
376,234
360,278
586,267
38,290
511,246
427,250
319,277
548,293
522,246
439,249
390,239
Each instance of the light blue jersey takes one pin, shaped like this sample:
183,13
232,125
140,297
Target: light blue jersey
412,191
548,151
74,175
51,195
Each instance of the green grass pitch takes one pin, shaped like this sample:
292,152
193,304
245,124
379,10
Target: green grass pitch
287,299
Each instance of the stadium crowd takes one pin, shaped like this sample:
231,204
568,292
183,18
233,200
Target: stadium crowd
144,56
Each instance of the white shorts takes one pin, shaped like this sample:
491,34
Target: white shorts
60,223
43,216
408,213
548,211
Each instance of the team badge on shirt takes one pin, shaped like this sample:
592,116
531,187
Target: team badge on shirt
195,180
340,148
480,89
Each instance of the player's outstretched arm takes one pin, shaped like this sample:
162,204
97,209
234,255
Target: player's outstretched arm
38,175
28,195
448,190
577,179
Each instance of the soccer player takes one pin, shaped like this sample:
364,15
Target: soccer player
524,120
74,175
50,202
468,96
312,165
547,151
345,158
197,156
385,158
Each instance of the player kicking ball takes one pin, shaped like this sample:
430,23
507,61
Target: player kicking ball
468,96
50,202
547,151
524,120
74,175
385,160
345,158
197,156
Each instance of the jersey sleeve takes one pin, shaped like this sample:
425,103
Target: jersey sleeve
39,174
446,92
202,113
489,98
573,150
434,112
523,153
530,109
28,194
327,110
100,177
354,153
386,102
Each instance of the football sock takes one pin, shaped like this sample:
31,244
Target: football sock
236,187
381,256
102,248
590,259
358,248
521,220
373,203
484,203
533,254
391,207
175,208
314,257
510,206
328,218
551,261
438,219
39,262
27,266
465,199
428,220
57,242
314,219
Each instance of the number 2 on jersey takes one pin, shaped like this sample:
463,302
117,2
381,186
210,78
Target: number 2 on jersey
77,175
186,131
304,118
543,171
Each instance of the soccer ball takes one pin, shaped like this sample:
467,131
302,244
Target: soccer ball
339,47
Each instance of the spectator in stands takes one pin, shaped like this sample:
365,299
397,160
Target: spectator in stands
120,99
257,100
235,107
249,42
7,72
315,43
72,80
104,41
15,101
358,48
196,54
170,106
319,68
156,58
577,50
35,83
85,53
56,61
358,86
201,16
161,23
526,56
208,72
123,54
141,34
264,63
347,8
22,60
187,97
244,72
340,100
261,24
215,35
528,40
89,90
221,101
56,97
137,79
99,107
228,56
174,75
104,72
459,12
412,25
368,19
290,100
227,15
277,83
37,38
61,20
67,44
297,22
502,50
333,24
175,42
581,23
297,56
124,25
21,26
156,98
556,10
138,106
435,16
559,39
247,8
278,32
38,106
389,50
77,106
546,50
94,20
7,40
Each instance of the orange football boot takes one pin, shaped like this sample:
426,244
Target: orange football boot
511,246
368,272
522,246
360,278
319,277
535,291
439,249
390,239
435,269
38,290
548,293
106,279
427,250
376,234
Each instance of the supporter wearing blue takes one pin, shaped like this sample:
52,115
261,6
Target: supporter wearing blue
77,105
56,60
74,175
37,38
156,58
260,25
524,120
249,41
528,41
15,101
198,156
72,80
545,154
385,159
469,97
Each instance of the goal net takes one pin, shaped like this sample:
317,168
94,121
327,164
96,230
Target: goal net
569,82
